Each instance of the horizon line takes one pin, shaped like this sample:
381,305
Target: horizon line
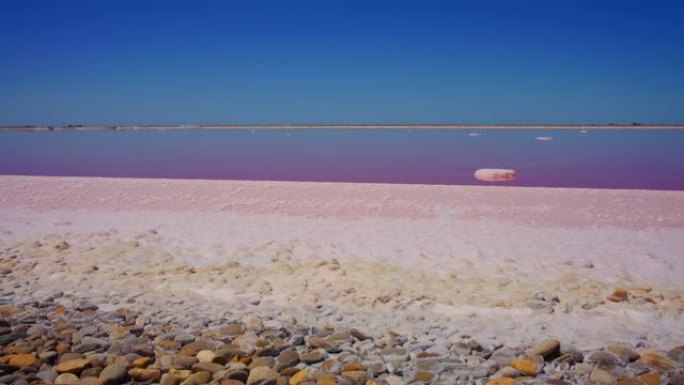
164,127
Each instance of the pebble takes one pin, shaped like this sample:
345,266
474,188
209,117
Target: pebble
602,377
74,366
113,374
314,356
545,348
270,351
142,374
677,355
67,379
650,378
394,380
168,379
47,375
619,295
501,381
357,377
207,367
288,357
527,367
206,356
604,359
658,362
198,378
262,375
625,353
300,377
23,360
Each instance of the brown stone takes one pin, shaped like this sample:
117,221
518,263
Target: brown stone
7,310
143,374
602,377
262,361
424,376
501,381
545,348
142,362
232,330
289,372
228,381
74,366
357,377
658,362
300,377
314,356
23,360
619,295
650,378
113,374
262,375
630,381
198,378
168,344
676,379
352,367
526,367
67,379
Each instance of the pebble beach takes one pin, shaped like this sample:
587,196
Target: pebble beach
117,281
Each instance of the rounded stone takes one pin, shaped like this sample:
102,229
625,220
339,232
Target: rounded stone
658,362
143,374
424,376
113,374
650,378
527,367
206,356
545,348
73,366
261,375
602,377
314,356
300,377
168,379
604,359
67,379
501,381
677,354
23,360
198,378
142,362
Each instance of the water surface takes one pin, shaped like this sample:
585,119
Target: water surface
635,159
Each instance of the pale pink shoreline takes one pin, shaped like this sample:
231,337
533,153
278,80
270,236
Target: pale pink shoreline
473,258
535,206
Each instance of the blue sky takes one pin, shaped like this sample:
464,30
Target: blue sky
254,61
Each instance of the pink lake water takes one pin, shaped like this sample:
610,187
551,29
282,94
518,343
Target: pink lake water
631,159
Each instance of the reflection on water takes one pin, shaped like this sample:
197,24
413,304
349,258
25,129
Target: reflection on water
566,158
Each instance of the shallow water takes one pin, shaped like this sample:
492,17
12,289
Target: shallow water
636,159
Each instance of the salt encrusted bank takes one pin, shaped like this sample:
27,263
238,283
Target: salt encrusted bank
109,281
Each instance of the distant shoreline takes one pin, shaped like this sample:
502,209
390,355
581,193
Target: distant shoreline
351,126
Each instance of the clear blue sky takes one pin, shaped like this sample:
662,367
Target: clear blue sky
299,61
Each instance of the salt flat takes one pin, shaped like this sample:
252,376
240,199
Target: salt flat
503,264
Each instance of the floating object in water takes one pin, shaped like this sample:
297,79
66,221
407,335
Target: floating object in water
473,134
544,138
584,131
495,174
